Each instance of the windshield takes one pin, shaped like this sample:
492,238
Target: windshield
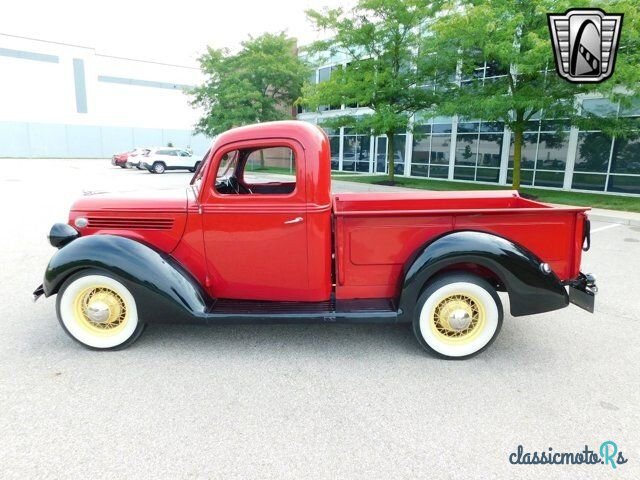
226,170
196,180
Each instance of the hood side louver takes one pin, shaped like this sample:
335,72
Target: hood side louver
131,223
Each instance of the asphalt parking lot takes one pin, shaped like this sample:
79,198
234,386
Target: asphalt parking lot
312,401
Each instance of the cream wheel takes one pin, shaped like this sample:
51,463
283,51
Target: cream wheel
98,311
458,316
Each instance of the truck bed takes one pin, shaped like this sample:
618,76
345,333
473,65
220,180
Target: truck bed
377,233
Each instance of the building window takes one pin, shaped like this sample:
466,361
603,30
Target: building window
334,143
592,161
588,181
382,153
421,151
431,145
483,72
626,156
604,163
544,154
600,107
478,151
399,149
356,151
624,184
594,150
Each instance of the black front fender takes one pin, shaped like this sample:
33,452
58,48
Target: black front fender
530,289
163,290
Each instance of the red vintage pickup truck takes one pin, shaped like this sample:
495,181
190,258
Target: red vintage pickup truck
234,247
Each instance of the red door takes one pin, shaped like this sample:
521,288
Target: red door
255,225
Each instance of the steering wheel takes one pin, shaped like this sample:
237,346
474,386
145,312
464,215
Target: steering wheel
235,186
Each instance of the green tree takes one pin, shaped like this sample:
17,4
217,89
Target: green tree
258,84
511,37
380,39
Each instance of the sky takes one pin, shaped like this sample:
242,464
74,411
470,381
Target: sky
171,32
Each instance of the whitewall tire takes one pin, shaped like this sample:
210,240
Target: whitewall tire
98,311
457,316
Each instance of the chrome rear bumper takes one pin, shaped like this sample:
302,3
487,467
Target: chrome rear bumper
582,291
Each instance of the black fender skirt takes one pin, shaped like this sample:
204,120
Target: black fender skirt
530,289
164,291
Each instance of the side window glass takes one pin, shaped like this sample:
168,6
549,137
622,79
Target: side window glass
270,171
257,171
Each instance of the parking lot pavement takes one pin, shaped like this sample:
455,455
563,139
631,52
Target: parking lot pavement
302,401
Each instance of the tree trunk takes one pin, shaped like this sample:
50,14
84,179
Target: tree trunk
390,158
517,155
261,158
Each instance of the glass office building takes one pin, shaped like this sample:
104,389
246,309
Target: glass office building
554,154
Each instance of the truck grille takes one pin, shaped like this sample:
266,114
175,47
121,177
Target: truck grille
131,223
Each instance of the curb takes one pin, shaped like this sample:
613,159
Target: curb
600,217
609,216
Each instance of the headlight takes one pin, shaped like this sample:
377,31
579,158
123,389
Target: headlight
61,234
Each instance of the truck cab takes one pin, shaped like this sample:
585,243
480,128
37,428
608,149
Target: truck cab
266,239
238,245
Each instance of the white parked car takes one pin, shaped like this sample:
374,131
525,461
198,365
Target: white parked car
159,160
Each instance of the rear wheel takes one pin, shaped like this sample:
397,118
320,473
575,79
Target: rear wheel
195,167
158,167
98,311
457,316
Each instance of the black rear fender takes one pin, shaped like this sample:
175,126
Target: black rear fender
516,268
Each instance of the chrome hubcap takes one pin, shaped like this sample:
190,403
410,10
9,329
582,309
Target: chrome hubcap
459,319
98,312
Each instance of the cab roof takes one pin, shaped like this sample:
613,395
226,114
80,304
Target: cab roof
313,140
310,136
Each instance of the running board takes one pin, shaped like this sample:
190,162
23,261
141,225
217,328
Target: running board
333,311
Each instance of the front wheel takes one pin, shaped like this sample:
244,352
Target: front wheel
158,167
98,311
457,316
195,167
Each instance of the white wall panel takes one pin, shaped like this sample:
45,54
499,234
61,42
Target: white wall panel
128,102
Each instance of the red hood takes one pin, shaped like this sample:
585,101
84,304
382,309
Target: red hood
174,200
155,217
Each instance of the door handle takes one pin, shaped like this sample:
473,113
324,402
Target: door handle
295,220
